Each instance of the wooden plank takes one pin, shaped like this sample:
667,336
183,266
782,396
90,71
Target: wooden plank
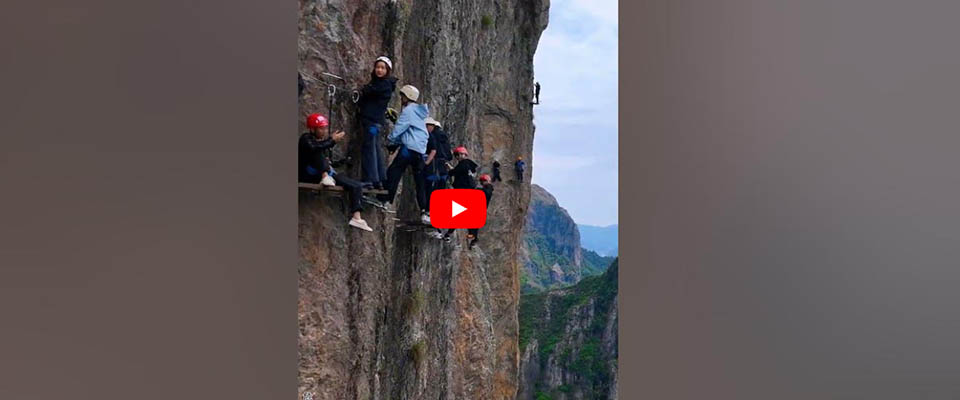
321,188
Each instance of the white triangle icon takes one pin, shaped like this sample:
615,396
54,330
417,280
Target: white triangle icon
456,209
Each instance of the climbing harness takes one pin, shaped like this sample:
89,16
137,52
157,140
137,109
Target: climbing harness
392,115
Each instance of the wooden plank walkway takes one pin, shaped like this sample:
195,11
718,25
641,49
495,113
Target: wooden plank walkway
320,188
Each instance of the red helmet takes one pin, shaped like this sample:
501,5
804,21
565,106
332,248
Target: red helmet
316,121
461,150
484,178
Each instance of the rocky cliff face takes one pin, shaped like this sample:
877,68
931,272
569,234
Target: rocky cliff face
392,314
552,255
568,340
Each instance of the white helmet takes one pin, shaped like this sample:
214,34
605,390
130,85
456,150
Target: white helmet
411,92
386,61
431,121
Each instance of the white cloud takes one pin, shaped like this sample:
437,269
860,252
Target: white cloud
576,137
560,163
603,10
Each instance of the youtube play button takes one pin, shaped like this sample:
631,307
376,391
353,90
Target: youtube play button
458,209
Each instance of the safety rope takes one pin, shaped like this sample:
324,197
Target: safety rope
331,94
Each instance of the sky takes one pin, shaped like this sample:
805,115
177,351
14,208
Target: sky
575,144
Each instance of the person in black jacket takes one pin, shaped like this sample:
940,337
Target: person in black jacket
462,175
438,154
314,165
473,234
371,108
313,158
465,170
487,186
496,171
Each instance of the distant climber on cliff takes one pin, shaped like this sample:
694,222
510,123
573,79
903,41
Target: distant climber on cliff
496,171
314,165
462,175
371,107
409,139
300,85
518,168
536,93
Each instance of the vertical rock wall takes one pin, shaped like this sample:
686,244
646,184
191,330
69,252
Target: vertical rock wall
392,314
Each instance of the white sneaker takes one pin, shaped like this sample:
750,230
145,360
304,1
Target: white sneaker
328,181
425,218
359,223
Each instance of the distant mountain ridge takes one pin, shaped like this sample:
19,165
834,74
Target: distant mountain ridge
567,311
602,239
552,255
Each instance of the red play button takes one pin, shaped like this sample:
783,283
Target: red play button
458,209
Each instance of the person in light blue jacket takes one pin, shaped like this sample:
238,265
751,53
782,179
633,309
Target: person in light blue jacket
409,137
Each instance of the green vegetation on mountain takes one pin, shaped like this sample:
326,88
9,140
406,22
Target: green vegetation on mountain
552,256
595,264
533,308
572,327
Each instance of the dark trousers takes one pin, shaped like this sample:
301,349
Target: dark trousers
319,164
406,158
433,180
354,190
372,158
520,175
496,175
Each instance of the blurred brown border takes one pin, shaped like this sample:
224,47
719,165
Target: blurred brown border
789,200
792,194
148,219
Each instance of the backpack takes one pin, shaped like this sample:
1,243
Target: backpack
443,147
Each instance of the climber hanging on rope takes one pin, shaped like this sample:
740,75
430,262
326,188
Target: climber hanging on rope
315,165
371,107
409,142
